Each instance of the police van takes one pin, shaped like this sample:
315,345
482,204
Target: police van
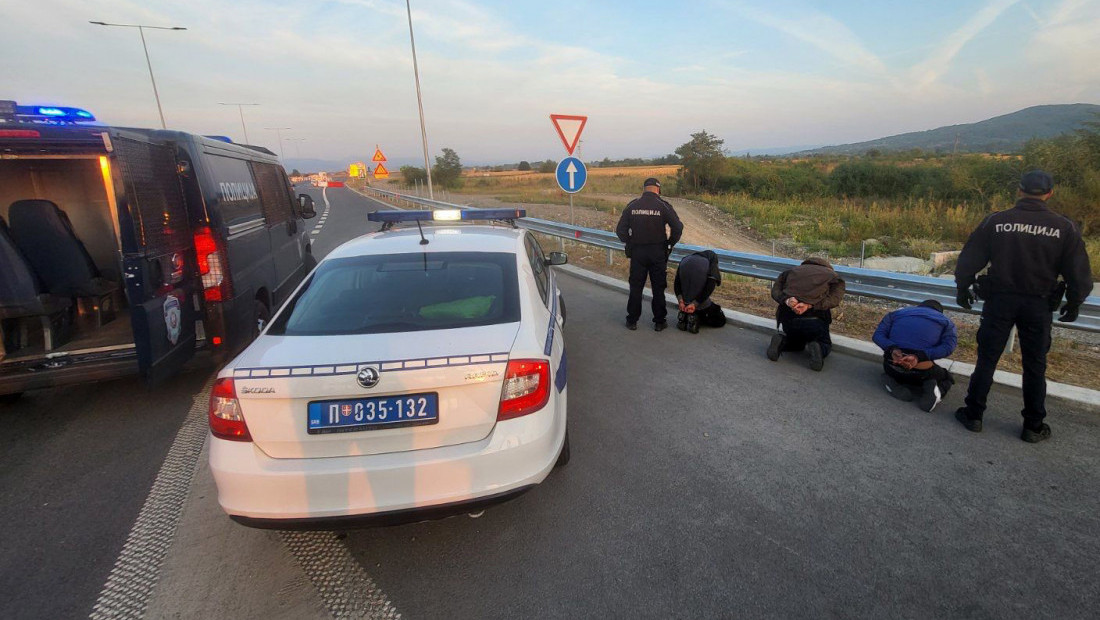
124,250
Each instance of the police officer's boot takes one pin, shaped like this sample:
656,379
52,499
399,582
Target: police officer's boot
681,321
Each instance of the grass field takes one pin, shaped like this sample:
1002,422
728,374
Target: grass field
914,227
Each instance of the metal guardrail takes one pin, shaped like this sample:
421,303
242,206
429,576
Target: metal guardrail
900,287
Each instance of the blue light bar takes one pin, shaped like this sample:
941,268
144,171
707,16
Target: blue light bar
225,139
446,215
56,114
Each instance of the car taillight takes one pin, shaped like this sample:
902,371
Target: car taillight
526,388
211,266
226,419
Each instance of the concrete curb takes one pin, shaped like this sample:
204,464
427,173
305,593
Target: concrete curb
854,346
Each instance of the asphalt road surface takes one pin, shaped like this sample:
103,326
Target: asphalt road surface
705,481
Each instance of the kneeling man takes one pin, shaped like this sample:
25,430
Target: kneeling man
911,340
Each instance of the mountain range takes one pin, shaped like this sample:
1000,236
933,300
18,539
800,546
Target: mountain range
1000,134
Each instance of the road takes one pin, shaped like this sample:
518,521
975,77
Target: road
705,481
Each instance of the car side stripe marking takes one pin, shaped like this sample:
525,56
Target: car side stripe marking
553,316
326,370
561,374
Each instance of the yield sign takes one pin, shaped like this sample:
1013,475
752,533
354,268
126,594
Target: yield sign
378,156
380,171
569,129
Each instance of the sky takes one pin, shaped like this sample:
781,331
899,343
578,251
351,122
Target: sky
647,73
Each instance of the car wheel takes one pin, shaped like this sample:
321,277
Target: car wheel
260,316
561,308
7,399
563,456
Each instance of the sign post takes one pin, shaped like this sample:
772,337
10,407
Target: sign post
571,173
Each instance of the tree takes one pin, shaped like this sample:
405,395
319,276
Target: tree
447,171
411,175
295,173
524,165
548,166
702,158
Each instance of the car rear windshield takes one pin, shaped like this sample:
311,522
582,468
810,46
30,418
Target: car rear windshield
403,293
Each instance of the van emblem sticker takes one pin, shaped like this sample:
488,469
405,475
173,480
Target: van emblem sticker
173,318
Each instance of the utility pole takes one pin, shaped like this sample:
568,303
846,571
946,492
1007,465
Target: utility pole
240,108
420,103
279,132
141,30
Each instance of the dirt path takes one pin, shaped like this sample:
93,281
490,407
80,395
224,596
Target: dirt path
704,225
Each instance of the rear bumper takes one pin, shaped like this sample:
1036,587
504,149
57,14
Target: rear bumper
382,519
258,490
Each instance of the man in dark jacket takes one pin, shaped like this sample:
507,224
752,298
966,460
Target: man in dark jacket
696,278
911,340
806,295
642,229
1027,248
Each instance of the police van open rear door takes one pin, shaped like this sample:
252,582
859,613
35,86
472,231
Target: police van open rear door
158,254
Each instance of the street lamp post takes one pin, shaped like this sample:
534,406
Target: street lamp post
141,30
297,146
279,132
420,103
240,108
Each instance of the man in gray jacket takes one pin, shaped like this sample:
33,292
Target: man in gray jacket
806,295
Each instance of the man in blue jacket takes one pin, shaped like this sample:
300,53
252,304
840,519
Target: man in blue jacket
911,340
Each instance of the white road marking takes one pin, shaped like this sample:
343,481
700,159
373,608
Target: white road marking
346,589
126,593
324,214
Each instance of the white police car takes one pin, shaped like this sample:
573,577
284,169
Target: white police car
412,375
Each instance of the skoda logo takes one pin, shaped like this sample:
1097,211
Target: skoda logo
367,377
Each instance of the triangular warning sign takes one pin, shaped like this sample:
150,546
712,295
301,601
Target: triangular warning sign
378,156
569,129
380,171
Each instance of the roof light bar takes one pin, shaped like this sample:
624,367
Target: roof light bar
446,215
55,114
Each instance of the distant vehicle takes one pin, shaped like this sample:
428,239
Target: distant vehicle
123,250
409,377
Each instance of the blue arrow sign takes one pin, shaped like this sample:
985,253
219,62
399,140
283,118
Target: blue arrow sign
571,175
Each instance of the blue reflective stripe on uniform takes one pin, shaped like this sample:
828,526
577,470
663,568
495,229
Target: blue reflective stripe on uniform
553,317
560,379
350,368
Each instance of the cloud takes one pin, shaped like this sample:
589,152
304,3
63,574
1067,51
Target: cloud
1067,47
940,61
818,30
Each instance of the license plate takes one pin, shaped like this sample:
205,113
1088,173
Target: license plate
367,414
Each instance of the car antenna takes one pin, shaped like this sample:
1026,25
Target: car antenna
423,239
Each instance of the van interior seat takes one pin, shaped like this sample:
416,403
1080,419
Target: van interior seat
43,233
22,298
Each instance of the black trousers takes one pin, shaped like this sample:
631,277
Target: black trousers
1031,316
802,330
916,377
652,262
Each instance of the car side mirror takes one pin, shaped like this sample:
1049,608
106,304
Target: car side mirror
305,206
557,258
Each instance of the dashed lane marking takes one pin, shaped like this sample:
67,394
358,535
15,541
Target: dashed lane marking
131,582
324,214
346,589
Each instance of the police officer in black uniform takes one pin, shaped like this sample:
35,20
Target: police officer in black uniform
642,229
1026,247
